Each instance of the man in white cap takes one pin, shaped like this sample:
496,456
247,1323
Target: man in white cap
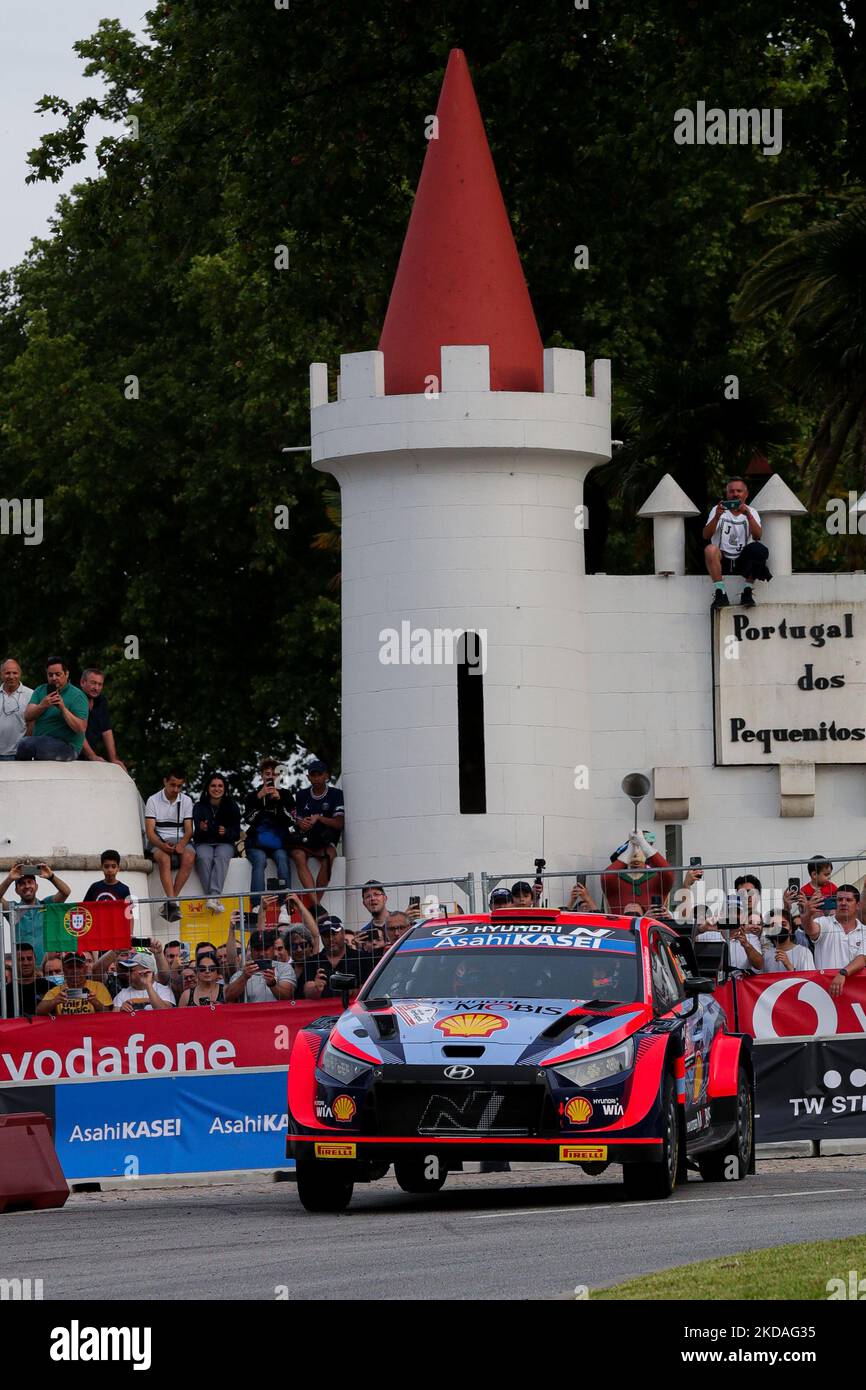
143,990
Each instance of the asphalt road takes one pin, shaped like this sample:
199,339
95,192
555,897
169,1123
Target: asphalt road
533,1234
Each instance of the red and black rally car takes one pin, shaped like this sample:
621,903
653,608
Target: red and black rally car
528,1034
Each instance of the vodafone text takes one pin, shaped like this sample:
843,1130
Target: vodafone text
130,1060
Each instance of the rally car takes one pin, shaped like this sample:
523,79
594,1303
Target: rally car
529,1034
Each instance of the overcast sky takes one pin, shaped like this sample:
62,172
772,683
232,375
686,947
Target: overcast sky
36,57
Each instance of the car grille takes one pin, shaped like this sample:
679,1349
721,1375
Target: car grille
404,1108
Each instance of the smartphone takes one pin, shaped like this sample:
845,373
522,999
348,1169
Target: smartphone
793,885
656,903
580,879
695,860
415,902
272,884
829,905
264,964
140,943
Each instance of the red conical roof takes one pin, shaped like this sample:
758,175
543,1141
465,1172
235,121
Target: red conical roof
459,279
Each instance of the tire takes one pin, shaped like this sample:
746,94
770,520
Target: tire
409,1173
321,1189
658,1180
718,1166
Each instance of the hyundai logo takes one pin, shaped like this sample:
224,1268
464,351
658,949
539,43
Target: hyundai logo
459,1073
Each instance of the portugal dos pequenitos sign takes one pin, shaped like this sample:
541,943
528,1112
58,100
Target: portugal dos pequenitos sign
790,684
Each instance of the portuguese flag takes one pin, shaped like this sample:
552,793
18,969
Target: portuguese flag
102,926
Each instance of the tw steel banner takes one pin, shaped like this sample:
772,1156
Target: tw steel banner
157,1042
810,1090
795,1005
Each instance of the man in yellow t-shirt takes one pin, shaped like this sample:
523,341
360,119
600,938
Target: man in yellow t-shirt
77,994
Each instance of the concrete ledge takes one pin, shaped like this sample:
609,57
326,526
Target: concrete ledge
231,1177
132,863
796,1148
834,1148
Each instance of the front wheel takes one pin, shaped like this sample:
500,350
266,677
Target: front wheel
419,1175
734,1161
320,1188
652,1180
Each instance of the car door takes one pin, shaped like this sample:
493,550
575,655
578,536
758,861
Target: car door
669,997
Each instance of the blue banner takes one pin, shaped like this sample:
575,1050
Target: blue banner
171,1124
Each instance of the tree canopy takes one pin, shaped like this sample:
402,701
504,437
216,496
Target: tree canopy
154,349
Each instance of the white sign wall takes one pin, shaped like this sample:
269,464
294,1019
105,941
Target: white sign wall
790,684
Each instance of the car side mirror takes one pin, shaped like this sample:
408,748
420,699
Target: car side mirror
343,984
698,984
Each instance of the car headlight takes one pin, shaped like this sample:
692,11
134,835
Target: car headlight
340,1067
585,1071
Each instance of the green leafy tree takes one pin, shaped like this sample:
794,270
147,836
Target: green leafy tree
248,218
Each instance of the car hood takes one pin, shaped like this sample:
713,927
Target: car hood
493,1032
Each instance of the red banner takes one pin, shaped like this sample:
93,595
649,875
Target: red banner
153,1042
797,1004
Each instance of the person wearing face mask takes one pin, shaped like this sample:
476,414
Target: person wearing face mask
51,969
781,951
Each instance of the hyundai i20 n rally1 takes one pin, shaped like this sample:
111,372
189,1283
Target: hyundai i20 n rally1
523,1034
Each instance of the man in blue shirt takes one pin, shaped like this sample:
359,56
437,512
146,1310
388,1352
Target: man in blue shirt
320,816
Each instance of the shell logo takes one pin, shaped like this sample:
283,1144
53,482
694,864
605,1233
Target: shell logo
344,1108
578,1110
699,1074
471,1025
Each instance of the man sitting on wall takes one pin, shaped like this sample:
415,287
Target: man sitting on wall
56,718
168,825
632,880
733,531
321,817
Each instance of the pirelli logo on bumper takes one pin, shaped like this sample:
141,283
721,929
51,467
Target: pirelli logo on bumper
591,1153
335,1150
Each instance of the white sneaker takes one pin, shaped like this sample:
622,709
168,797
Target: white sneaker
215,905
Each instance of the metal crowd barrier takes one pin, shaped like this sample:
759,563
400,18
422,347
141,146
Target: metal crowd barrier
456,894
710,897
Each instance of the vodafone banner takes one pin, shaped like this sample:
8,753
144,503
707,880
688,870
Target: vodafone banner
795,1005
153,1042
168,1091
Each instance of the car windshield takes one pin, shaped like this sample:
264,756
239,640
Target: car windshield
502,972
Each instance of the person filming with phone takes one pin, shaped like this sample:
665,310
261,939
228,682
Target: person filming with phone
733,536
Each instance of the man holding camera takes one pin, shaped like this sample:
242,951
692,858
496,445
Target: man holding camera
839,939
262,980
733,531
77,994
272,829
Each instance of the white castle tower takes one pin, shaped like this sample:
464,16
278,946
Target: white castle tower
461,449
